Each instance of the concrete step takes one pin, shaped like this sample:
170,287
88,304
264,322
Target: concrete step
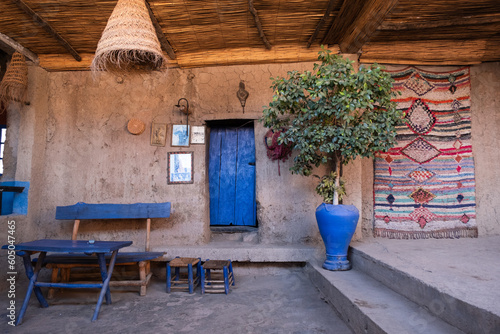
239,251
434,289
368,306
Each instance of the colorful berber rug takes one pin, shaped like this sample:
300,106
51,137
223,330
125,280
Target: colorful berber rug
424,187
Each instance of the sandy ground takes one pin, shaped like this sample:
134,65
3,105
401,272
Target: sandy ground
283,302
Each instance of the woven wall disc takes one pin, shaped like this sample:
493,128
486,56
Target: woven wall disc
135,126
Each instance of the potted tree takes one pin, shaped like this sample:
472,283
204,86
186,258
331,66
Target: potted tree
332,115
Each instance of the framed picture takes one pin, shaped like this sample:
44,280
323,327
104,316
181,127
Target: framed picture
197,135
180,167
180,136
158,134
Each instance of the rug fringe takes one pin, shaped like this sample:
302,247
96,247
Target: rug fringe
470,232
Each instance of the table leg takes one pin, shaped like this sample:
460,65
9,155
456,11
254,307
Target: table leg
29,272
102,266
105,285
33,276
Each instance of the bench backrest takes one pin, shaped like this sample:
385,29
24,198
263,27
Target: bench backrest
81,211
113,211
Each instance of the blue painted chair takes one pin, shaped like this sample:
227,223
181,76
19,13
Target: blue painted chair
216,276
185,279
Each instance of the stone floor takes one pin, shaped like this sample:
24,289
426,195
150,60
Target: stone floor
261,302
465,268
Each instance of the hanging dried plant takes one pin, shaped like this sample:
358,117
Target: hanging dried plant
129,41
15,81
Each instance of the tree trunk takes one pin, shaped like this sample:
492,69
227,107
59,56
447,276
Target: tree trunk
337,182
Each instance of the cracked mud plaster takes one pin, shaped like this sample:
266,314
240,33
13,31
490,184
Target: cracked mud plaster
50,128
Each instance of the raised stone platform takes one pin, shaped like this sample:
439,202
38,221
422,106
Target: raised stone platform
417,286
242,252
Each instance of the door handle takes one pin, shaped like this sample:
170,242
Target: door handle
251,163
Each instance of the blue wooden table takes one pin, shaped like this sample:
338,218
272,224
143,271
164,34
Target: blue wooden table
99,248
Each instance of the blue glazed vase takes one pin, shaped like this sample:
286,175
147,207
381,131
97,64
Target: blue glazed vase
337,224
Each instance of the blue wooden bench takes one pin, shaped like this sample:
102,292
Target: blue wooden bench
61,264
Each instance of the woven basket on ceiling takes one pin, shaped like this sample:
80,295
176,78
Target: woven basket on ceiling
129,41
15,81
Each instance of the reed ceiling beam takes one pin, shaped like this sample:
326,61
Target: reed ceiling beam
19,48
356,23
223,57
47,27
159,33
472,20
331,4
259,25
435,52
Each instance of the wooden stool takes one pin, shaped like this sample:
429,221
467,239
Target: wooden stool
219,281
181,281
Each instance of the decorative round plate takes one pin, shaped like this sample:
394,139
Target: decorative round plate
135,126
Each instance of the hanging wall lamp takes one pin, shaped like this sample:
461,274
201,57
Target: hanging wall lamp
184,108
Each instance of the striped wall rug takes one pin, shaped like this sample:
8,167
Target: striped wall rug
424,187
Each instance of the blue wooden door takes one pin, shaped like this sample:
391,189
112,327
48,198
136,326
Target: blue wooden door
231,169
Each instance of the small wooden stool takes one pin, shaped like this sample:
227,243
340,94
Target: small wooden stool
181,281
219,281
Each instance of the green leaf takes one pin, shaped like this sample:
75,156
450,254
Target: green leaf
333,112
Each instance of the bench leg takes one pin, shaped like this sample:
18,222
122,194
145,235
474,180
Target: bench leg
169,277
202,280
54,279
65,274
190,278
142,276
226,280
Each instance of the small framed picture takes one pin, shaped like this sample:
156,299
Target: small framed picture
180,167
158,134
180,135
197,134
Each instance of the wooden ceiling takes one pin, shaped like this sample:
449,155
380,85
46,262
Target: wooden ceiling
63,34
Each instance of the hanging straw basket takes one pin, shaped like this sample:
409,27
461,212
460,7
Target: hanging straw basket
15,81
129,41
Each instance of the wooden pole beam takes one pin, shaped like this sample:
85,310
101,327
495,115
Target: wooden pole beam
47,27
19,48
159,33
356,22
321,23
436,52
259,25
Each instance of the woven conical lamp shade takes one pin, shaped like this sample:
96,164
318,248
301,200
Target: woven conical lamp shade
129,41
15,81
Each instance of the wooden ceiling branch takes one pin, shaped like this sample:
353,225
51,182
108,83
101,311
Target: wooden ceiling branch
47,27
441,52
347,14
159,33
259,25
19,48
356,23
470,20
321,23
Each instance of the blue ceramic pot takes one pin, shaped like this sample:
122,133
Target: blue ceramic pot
337,224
